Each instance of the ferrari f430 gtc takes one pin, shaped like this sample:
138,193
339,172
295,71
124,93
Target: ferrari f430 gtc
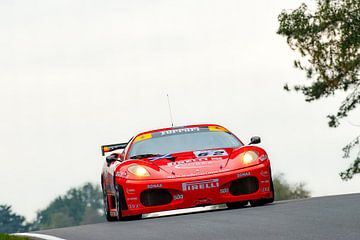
183,167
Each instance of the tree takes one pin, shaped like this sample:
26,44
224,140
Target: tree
78,206
285,191
328,40
11,222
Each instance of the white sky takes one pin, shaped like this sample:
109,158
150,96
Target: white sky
78,74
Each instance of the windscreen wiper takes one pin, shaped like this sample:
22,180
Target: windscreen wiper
163,156
146,155
154,157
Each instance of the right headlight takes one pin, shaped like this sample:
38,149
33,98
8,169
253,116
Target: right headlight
249,158
138,171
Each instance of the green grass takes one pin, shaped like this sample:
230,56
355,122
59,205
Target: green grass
10,237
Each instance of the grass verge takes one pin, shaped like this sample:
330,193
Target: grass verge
11,237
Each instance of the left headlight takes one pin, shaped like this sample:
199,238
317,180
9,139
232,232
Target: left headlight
249,158
138,171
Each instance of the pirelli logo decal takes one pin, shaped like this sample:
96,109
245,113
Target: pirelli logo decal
200,185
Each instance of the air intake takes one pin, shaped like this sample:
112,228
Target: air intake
243,186
155,197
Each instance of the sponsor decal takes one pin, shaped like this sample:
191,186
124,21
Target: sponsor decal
195,174
196,162
202,201
224,190
265,189
158,185
217,128
179,131
130,191
195,165
200,185
133,206
263,157
265,181
264,173
143,137
210,153
178,197
244,174
132,199
187,161
121,174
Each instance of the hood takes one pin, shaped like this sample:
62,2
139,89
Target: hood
196,163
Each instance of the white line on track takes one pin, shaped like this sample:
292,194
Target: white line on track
38,236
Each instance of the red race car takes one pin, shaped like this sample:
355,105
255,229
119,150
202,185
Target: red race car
183,167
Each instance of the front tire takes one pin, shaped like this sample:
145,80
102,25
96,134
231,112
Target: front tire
118,203
260,202
235,205
108,217
118,197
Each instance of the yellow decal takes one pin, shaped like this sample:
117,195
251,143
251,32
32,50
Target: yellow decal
143,137
106,149
217,128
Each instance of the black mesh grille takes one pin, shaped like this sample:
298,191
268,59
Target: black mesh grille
242,186
155,197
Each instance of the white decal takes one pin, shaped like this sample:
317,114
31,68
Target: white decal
134,206
181,130
158,185
211,153
244,174
132,199
263,157
200,185
224,190
130,190
178,196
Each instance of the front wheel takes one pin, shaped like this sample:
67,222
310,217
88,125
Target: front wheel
118,203
118,196
234,205
260,202
108,217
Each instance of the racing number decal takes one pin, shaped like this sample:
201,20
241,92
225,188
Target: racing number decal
211,153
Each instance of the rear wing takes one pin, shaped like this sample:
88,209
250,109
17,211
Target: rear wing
112,147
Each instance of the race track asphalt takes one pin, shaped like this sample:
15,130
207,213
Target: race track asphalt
333,217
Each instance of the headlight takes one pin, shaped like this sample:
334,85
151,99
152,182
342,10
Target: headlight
138,171
249,157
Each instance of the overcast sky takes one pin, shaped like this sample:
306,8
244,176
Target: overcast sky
78,74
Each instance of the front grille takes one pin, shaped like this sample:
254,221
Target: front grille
242,186
155,197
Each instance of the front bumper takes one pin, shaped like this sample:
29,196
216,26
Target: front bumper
189,192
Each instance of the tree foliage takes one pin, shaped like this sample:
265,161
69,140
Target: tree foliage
11,222
285,191
328,39
81,205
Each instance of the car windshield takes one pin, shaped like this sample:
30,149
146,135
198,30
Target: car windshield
183,142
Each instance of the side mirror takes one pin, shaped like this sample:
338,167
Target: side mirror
114,157
255,140
111,158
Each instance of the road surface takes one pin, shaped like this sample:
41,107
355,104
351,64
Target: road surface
333,217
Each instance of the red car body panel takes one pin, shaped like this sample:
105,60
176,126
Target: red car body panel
189,179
